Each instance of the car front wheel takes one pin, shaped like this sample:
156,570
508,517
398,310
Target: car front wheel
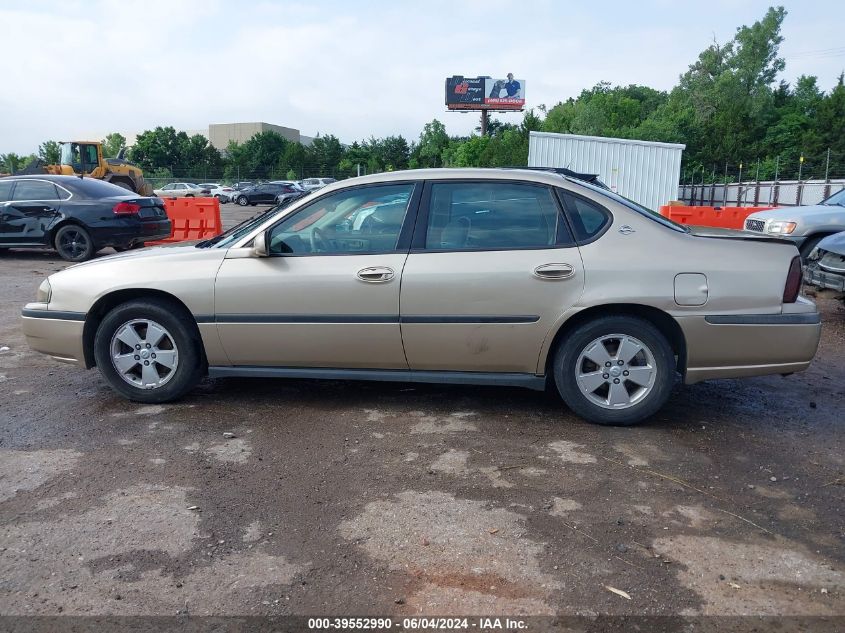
243,201
148,351
615,370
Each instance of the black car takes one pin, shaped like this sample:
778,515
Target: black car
76,216
261,194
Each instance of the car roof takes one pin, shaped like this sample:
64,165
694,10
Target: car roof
459,173
48,177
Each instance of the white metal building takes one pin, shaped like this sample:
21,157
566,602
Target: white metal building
644,171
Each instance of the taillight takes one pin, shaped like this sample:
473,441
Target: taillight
793,281
126,208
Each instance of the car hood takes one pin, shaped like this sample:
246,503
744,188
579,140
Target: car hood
833,243
809,214
175,250
718,232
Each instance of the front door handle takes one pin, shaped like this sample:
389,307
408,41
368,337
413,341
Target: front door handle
554,271
376,274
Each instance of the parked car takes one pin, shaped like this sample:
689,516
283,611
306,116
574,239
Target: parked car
310,184
825,265
76,216
290,191
288,200
182,190
806,226
265,193
468,276
216,190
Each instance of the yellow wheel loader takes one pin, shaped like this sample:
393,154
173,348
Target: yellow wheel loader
85,158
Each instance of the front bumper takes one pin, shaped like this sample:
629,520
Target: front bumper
734,346
815,276
57,334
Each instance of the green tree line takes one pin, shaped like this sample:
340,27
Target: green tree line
728,108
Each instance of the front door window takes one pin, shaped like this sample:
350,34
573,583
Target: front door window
362,220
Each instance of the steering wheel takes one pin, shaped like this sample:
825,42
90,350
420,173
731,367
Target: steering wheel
318,241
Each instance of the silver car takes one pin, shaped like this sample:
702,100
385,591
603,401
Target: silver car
806,226
467,276
825,265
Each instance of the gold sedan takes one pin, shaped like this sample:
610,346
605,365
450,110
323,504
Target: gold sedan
469,276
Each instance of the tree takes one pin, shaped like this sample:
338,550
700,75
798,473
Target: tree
49,152
262,153
11,163
433,141
326,152
159,148
112,144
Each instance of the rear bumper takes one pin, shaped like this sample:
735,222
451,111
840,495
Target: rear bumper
815,276
57,334
131,232
735,346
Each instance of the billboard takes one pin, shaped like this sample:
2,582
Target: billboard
485,93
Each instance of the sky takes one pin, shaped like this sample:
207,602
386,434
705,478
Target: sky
74,69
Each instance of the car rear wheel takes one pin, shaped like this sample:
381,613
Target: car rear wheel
148,351
615,370
74,243
243,201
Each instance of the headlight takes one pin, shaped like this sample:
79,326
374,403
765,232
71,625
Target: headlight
781,228
44,292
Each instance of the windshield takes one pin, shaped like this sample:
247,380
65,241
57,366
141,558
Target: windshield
836,199
634,206
227,238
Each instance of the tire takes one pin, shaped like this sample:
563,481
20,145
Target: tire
123,184
808,246
74,243
189,195
179,343
575,373
243,201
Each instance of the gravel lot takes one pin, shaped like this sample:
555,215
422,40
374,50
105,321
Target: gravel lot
258,497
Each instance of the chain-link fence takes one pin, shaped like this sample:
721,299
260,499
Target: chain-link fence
790,179
160,177
784,193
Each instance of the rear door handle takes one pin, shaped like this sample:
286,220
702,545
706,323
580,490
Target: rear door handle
554,271
376,274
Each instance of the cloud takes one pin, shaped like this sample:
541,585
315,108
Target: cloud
83,68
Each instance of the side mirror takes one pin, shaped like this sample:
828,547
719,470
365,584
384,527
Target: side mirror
259,246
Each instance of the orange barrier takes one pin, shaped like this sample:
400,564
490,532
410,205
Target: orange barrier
722,217
191,219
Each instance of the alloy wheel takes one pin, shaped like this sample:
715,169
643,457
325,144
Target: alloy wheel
144,354
73,243
615,371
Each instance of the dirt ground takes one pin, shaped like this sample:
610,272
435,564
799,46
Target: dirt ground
376,498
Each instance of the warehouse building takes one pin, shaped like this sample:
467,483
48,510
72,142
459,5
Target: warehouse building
646,172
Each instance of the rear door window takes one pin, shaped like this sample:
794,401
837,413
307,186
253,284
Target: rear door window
35,190
493,216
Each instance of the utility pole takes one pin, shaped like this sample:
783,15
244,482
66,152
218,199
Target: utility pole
725,188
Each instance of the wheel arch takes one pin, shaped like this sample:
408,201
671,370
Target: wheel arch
663,321
108,302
